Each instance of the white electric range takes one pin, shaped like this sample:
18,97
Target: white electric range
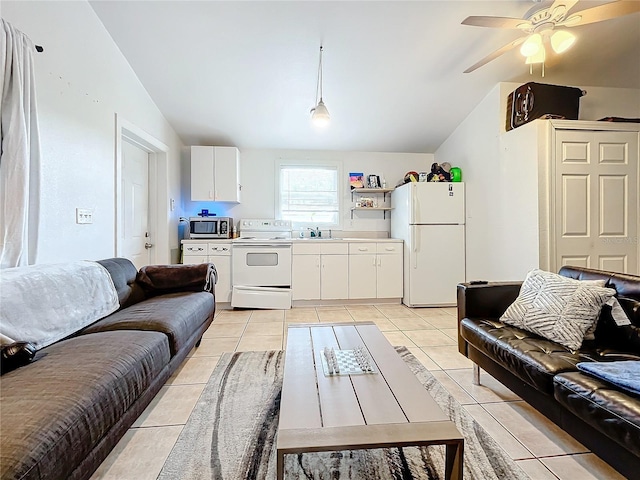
261,269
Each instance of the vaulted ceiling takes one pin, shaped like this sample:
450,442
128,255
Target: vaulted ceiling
244,73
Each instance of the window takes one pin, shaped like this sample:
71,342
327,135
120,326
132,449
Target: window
308,194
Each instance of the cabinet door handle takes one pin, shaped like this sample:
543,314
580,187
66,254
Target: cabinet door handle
363,249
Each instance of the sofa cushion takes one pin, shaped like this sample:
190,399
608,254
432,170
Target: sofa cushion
123,273
603,406
625,285
163,279
58,408
178,315
532,358
557,308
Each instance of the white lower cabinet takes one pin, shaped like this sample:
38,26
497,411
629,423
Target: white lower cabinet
375,270
334,277
346,270
320,271
305,276
389,276
220,255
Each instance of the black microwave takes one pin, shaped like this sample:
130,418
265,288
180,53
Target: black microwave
210,227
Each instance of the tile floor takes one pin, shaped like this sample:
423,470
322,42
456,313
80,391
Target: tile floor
540,448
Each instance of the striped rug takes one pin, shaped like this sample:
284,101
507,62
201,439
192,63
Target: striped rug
231,434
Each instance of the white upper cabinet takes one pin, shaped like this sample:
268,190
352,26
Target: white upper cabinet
215,174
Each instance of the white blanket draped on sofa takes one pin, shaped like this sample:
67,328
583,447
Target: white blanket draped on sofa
20,150
42,304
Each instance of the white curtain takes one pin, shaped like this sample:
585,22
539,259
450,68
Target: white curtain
20,151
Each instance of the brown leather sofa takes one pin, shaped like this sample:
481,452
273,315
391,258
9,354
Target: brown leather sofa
604,418
62,414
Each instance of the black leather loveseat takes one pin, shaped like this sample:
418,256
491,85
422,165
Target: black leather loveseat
604,418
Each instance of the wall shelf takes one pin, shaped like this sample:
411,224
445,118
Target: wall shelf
380,209
372,191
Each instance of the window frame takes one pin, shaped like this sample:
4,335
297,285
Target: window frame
322,164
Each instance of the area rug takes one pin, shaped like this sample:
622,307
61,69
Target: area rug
231,434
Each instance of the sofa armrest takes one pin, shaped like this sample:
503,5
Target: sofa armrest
489,300
162,279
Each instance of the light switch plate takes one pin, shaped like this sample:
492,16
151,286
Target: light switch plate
84,215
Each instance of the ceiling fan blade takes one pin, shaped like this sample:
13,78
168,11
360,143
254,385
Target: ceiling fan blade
602,12
495,54
564,6
496,22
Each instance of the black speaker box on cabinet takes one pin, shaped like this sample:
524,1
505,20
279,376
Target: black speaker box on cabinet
534,100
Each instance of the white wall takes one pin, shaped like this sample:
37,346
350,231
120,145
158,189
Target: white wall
82,81
502,195
258,179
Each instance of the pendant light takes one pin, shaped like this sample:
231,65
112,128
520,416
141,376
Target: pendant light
319,114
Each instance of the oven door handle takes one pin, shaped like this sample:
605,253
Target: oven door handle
262,245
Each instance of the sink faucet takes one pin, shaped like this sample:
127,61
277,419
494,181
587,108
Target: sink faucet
315,232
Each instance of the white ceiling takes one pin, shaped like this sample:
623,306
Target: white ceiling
244,73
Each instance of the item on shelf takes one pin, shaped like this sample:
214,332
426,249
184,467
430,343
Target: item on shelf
439,173
619,119
410,177
373,181
356,180
456,174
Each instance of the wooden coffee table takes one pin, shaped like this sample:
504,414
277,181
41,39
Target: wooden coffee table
390,408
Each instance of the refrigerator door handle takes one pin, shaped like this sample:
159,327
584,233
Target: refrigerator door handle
414,242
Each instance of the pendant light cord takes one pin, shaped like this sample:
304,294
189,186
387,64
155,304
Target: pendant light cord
319,84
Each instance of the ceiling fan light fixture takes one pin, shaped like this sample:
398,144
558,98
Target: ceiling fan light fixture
319,114
561,41
538,57
531,45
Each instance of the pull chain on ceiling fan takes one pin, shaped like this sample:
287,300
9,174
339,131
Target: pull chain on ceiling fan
540,25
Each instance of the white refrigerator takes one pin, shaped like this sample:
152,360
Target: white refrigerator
430,218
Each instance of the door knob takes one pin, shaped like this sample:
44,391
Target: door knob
148,245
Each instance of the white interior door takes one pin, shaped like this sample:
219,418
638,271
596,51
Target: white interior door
596,200
135,204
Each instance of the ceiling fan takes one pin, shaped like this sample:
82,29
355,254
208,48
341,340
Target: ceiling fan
540,25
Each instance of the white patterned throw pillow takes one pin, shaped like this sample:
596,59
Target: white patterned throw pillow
558,308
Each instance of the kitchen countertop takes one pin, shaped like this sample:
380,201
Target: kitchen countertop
347,239
301,240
